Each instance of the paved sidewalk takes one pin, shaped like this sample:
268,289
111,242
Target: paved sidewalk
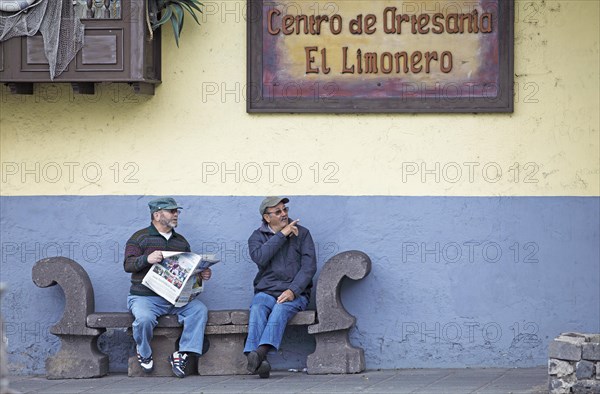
488,381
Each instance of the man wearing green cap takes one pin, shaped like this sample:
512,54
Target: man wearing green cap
144,249
285,255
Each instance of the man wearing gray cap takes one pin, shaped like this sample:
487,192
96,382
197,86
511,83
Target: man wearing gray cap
285,255
144,249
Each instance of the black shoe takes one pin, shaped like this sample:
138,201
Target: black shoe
264,370
254,362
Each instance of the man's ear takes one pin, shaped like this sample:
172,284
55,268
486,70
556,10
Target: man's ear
267,218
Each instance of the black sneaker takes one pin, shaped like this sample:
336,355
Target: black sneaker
264,369
146,363
178,362
253,362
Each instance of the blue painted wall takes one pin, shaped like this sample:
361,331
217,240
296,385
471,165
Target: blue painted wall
456,281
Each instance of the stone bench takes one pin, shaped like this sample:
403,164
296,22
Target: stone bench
80,326
225,332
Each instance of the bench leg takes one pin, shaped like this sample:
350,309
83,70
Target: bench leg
78,357
225,356
164,343
335,354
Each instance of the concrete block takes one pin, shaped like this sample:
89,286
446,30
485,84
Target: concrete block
77,359
560,368
591,351
225,356
561,385
557,386
164,343
584,370
598,371
303,318
223,330
593,338
335,354
240,317
125,319
217,318
573,337
109,320
564,350
586,387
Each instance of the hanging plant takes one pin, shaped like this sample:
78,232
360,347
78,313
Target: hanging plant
163,11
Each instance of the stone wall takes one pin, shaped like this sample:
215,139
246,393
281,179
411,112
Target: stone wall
574,363
4,389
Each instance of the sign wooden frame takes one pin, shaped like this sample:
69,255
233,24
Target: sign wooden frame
261,98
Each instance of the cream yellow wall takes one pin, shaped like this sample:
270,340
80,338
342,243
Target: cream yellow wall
182,139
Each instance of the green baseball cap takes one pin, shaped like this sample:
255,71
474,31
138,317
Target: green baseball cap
163,203
271,201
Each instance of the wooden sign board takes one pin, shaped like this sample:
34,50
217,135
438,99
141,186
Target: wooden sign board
350,56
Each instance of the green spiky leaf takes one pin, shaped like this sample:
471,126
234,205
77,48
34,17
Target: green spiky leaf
174,11
190,11
165,16
178,13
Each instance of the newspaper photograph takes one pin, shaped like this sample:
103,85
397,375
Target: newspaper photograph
176,278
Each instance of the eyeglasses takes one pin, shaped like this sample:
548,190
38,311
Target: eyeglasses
279,212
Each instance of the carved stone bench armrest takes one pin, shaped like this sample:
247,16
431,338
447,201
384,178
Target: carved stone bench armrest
334,353
79,356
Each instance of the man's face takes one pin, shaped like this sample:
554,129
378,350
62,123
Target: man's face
168,217
277,216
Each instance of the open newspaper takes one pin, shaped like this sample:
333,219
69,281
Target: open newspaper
176,278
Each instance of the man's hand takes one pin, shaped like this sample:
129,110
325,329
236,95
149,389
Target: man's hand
287,295
205,275
291,228
155,257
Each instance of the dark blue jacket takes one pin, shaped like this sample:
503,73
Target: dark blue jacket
283,263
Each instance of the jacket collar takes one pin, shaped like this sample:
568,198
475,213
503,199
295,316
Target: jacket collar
153,231
264,227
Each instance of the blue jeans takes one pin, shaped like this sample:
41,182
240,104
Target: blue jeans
147,309
268,320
